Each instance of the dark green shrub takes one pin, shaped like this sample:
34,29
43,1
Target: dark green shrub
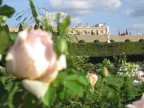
112,41
127,40
96,41
141,40
81,41
106,49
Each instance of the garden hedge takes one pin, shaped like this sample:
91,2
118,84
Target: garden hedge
106,49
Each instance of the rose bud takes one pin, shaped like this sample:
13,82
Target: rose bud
104,72
92,78
32,57
139,75
61,45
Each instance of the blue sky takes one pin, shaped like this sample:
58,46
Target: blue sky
118,14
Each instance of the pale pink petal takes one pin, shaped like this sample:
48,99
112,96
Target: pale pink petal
37,88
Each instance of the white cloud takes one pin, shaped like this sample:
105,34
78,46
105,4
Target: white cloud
134,8
79,7
136,12
109,4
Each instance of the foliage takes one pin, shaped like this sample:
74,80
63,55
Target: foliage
81,41
106,49
127,40
96,41
13,36
71,89
112,41
5,41
6,10
123,67
34,12
141,40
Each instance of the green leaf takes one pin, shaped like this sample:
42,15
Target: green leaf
62,75
70,62
5,41
3,79
1,89
50,96
0,2
13,36
62,94
34,12
29,101
65,25
60,78
13,89
71,77
6,11
113,87
75,87
81,79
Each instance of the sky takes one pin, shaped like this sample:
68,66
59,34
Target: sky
119,15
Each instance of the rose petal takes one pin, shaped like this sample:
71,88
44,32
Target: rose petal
37,88
139,103
50,77
130,106
92,78
61,63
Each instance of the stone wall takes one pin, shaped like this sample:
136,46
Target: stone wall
103,38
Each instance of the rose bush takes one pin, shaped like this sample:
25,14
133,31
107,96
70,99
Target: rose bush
33,58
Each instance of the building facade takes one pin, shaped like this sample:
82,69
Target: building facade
13,29
99,29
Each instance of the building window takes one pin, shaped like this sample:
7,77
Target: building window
96,32
92,33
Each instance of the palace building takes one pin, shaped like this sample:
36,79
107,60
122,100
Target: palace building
13,29
98,29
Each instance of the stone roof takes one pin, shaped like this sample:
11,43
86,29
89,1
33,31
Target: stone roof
79,26
88,26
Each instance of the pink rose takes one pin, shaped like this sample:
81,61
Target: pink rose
33,58
92,78
137,104
139,75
